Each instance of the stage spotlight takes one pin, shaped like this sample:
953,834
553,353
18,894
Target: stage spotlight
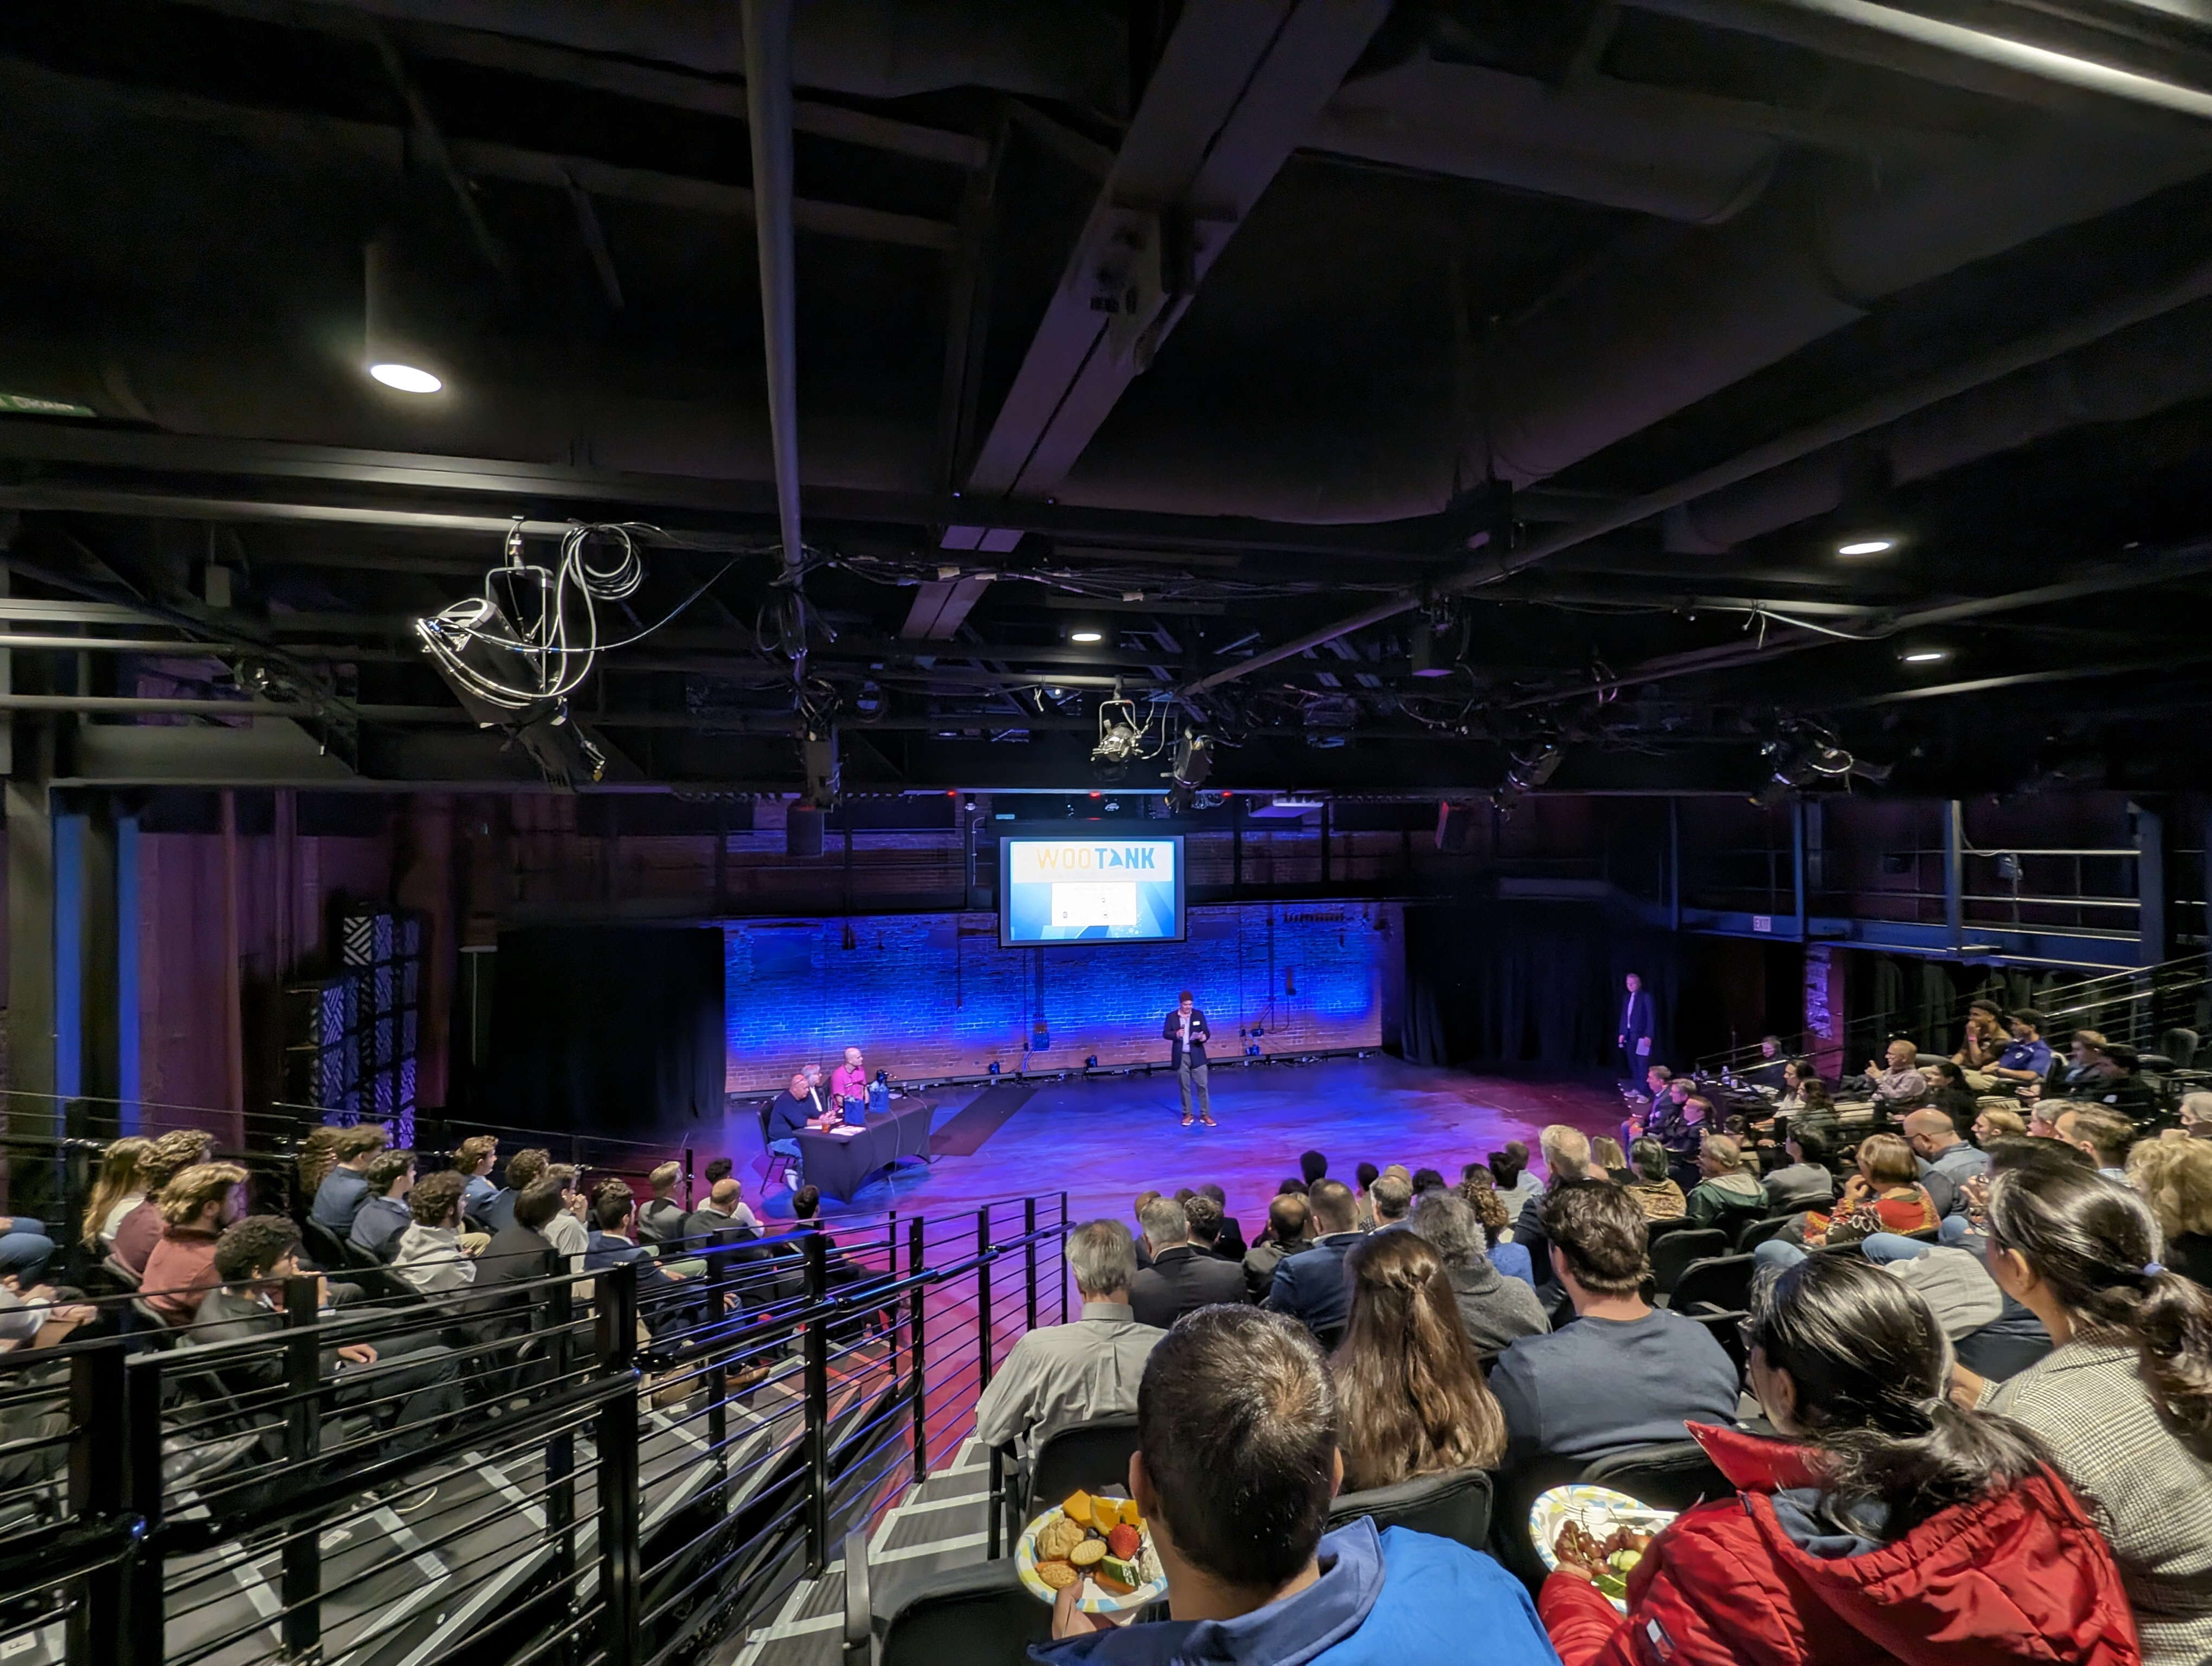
1119,745
1924,656
1194,762
406,378
1087,637
1802,755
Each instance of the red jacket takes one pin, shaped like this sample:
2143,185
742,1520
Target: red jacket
2022,1576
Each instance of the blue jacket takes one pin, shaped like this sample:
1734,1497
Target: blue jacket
657,1293
379,1224
338,1200
1311,1287
1403,1596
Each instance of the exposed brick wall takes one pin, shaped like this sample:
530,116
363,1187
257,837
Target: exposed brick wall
933,995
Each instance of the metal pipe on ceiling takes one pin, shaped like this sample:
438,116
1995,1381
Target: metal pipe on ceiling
2036,347
768,120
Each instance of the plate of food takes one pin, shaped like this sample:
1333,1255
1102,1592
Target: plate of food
1597,1528
1098,1545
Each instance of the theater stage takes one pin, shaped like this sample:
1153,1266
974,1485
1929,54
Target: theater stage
1105,1140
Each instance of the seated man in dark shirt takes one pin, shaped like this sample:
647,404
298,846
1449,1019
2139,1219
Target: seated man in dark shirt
384,1218
790,1111
345,1188
1623,1374
659,1293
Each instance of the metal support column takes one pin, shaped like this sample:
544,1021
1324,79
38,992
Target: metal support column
2150,883
302,1555
1797,865
917,1338
619,1509
816,1347
1954,863
1674,865
96,1629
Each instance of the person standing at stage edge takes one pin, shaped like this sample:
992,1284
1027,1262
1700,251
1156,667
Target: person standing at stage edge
1638,1023
1186,1034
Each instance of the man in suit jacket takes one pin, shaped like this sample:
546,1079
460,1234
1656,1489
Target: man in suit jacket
1310,1285
1183,1277
1186,1034
659,1293
1638,1025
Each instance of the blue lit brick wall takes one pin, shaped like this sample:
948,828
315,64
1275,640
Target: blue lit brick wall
933,995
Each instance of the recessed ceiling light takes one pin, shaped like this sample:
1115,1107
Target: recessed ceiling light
1925,656
1866,546
407,378
1086,636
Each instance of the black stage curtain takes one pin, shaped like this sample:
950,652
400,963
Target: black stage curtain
1512,983
603,1028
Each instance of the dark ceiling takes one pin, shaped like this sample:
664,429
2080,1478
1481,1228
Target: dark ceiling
1395,390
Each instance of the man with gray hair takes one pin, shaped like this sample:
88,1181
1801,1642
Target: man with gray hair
1062,1375
1493,1310
1183,1277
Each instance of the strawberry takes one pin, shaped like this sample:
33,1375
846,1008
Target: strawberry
1122,1541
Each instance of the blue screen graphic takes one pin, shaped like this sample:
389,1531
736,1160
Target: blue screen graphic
1084,888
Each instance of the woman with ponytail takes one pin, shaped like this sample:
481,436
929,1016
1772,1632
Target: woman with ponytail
1887,1525
2124,1401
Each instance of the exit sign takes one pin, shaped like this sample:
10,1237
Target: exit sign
1762,922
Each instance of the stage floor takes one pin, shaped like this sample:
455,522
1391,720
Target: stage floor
1105,1140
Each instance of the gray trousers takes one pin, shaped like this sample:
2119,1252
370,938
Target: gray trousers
1187,1073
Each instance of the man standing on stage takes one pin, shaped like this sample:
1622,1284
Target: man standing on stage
1186,1034
1638,1024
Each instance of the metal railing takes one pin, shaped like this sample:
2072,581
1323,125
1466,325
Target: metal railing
617,1469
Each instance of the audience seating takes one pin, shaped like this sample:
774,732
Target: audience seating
1672,1476
1757,1232
1674,1252
1719,1282
1093,1457
980,1616
1452,1506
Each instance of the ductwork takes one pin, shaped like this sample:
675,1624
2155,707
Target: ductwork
2150,368
1050,49
1588,144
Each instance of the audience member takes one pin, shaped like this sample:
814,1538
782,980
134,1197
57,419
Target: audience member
661,1219
1898,1083
1363,1196
2083,1049
2116,1080
1884,1524
1392,1197
1202,1217
1726,1188
614,1244
196,1205
1292,1185
1286,1234
789,1113
1229,1243
474,1159
1770,1068
721,1211
1607,1159
1815,1110
1806,1181
1426,1181
1182,1276
1995,1123
2027,1061
1654,1188
1566,1159
384,1218
345,1188
1494,1310
524,1170
1683,1134
2103,1136
1797,1077
1062,1375
1885,1195
1983,1045
1310,1285
516,1253
1944,1161
1409,1389
120,1187
1508,1172
1623,1374
566,1232
412,1392
1312,1166
2175,1178
434,1255
1948,1091
318,1157
2124,1402
141,1230
2196,1116
1238,1463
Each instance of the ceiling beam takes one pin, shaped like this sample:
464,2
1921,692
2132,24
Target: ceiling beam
304,135
679,90
1237,87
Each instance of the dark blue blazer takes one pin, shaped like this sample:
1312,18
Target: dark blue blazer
1643,1023
657,1293
1312,1286
1200,1033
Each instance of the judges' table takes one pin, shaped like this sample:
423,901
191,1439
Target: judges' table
839,1161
